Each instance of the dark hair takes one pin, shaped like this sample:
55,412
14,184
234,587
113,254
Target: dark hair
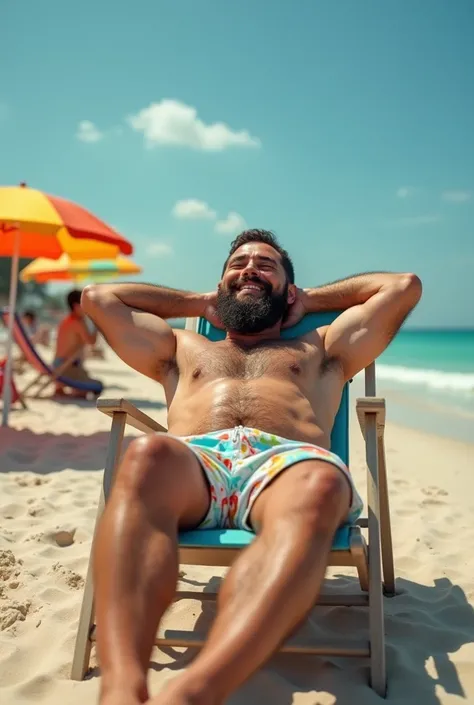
268,238
30,314
74,297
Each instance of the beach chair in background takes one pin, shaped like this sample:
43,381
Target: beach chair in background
15,394
45,374
220,547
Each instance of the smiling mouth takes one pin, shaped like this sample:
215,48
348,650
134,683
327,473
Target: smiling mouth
251,287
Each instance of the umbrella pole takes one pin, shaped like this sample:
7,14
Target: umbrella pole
11,318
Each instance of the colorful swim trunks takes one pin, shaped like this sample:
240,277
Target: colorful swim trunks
240,462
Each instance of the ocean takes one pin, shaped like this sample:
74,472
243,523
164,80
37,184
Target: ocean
427,377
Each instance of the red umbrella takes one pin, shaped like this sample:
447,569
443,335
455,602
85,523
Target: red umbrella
35,224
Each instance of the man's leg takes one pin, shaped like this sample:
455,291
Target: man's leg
272,585
78,373
159,488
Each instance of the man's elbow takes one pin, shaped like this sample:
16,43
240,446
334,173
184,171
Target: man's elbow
411,286
93,298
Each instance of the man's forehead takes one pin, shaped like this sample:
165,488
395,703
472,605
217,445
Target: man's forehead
256,249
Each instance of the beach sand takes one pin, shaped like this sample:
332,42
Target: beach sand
51,460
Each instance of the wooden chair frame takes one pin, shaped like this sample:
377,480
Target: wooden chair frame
370,559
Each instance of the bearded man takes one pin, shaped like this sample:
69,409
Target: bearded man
250,420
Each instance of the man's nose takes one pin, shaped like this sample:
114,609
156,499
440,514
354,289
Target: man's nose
250,270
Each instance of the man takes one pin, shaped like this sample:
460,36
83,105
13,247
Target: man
72,338
249,421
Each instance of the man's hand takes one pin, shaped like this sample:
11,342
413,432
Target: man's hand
297,309
210,312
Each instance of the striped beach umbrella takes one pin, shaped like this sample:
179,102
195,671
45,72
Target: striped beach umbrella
66,269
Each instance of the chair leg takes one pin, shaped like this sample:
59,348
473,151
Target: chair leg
358,549
22,400
386,529
376,611
33,382
82,649
83,646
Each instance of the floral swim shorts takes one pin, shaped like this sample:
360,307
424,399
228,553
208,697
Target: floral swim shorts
238,464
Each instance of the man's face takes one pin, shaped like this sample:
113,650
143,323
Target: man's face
77,310
254,293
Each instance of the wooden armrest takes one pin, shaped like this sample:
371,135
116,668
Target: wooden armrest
135,417
371,405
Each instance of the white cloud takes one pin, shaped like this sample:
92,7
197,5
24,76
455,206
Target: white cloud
193,209
175,123
456,196
159,249
414,221
405,192
230,225
88,132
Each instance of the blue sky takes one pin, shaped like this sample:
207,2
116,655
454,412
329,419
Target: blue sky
346,127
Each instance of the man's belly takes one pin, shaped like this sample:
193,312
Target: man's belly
268,404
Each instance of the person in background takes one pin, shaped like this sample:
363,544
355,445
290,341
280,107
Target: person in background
30,324
37,333
73,337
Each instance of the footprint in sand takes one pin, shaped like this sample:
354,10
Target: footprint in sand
62,537
433,495
401,483
31,482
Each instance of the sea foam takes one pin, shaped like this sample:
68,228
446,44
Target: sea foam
436,379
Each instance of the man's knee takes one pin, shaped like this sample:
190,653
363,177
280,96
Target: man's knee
164,475
325,496
150,464
313,494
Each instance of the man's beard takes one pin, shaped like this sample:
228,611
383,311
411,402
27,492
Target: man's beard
249,314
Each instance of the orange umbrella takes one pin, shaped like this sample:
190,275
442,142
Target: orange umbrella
35,224
50,225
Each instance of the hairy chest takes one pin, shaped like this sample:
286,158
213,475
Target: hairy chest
223,360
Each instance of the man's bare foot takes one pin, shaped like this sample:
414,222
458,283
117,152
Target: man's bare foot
123,695
120,698
182,692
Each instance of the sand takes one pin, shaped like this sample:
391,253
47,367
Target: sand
51,460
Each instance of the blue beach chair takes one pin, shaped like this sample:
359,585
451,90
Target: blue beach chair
220,547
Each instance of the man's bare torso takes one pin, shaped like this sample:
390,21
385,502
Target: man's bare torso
69,338
285,387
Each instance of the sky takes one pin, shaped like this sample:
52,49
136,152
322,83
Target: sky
345,127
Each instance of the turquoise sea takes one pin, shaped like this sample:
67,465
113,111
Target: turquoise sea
427,377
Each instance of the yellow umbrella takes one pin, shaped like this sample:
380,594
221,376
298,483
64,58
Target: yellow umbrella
35,224
66,269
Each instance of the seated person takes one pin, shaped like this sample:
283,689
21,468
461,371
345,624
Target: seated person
250,420
72,338
30,324
38,334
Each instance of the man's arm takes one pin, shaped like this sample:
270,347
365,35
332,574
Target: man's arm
132,319
374,307
87,337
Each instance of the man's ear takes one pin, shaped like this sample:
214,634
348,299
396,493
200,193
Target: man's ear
292,293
